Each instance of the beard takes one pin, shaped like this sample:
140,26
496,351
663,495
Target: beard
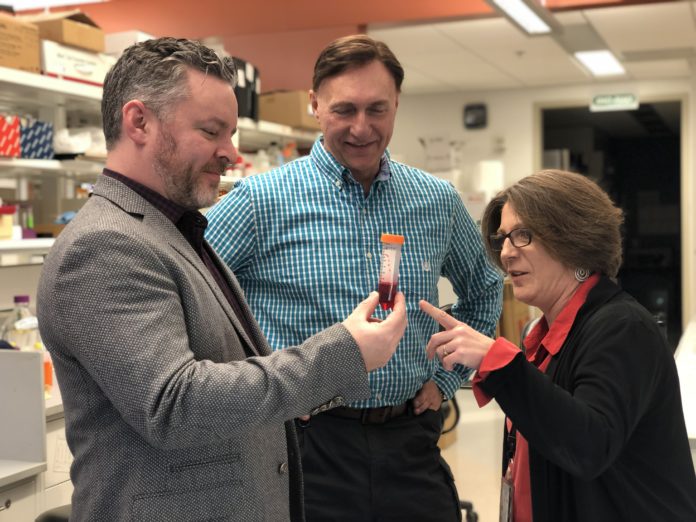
183,183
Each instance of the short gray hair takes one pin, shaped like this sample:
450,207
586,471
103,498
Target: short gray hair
154,72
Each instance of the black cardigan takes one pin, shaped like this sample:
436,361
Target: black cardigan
605,425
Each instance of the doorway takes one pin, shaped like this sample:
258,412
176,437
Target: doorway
636,157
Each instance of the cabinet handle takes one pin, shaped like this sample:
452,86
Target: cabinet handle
6,505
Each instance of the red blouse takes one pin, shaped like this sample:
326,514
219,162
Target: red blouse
541,344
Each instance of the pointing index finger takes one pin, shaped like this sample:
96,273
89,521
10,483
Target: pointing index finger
443,318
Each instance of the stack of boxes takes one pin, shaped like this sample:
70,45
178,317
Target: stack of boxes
72,47
68,45
25,137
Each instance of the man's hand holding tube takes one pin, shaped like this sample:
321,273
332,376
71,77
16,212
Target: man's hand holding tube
458,344
377,340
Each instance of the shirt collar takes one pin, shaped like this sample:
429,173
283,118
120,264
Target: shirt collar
553,338
172,211
337,173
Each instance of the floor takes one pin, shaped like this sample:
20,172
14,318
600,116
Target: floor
473,451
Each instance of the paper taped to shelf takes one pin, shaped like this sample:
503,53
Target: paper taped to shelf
68,63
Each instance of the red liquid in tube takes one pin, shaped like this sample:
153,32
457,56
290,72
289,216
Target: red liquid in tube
387,292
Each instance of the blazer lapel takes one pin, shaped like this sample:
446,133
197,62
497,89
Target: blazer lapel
179,243
162,227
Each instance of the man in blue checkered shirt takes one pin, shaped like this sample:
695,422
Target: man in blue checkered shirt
304,242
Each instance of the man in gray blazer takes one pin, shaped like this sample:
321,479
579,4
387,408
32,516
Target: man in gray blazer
175,407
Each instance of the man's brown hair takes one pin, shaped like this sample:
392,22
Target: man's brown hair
355,51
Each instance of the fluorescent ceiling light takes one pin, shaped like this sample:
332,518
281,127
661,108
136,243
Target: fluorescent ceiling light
529,16
24,5
600,63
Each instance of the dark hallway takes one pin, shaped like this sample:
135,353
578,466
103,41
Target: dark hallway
635,157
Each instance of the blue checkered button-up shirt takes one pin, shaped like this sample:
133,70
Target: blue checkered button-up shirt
304,242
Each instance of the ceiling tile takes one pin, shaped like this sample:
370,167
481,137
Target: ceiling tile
415,82
646,26
461,68
658,69
404,41
491,53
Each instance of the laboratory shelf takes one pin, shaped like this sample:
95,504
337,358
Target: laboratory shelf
11,167
40,245
25,90
254,135
12,471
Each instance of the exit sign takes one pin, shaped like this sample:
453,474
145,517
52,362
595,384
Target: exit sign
614,102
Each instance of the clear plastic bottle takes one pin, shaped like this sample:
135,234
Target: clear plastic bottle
262,163
275,155
21,328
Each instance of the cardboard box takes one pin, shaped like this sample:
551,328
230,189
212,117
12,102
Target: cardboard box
69,63
19,44
73,28
36,138
9,136
289,108
116,43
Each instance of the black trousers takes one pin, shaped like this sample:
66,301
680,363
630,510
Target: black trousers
389,472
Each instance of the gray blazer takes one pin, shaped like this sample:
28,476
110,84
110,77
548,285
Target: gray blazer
166,416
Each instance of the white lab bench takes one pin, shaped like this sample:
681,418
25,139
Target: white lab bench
34,456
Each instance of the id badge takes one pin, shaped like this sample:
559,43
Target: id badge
507,490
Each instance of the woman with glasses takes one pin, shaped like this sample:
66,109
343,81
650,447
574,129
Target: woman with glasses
594,429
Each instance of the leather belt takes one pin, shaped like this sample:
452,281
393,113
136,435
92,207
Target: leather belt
371,415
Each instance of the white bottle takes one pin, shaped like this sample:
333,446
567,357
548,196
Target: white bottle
261,161
275,155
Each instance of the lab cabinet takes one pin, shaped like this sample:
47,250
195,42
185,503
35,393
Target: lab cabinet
18,502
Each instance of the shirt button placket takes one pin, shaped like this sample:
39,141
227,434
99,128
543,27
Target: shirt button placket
366,241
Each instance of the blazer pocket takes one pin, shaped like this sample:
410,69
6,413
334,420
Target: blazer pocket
208,469
212,502
192,464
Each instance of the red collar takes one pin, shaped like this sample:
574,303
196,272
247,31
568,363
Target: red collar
552,339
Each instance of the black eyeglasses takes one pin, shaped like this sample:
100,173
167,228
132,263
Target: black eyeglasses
520,237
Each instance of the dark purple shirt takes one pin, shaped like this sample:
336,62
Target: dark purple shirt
191,224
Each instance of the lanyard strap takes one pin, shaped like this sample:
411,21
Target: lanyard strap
510,445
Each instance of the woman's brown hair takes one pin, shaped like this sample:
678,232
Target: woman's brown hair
569,214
